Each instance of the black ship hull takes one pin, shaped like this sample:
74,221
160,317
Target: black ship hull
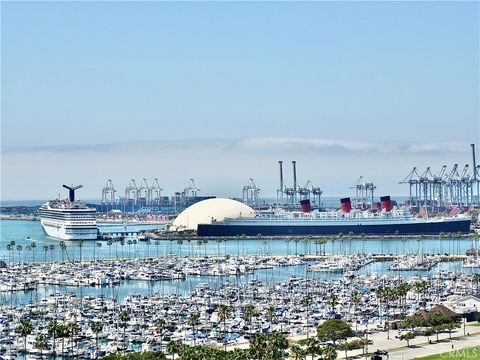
425,228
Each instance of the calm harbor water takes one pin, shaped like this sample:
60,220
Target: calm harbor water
13,230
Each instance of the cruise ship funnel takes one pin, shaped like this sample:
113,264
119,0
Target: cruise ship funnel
305,206
71,191
386,203
346,205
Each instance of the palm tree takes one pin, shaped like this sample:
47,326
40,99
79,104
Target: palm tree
62,248
26,329
129,243
205,241
180,243
97,327
135,250
297,352
172,348
161,324
52,328
11,247
124,318
296,245
73,330
329,353
98,245
28,248
19,249
157,244
313,347
41,343
223,314
33,246
271,311
333,302
148,242
307,302
109,244
355,300
63,332
249,313
420,287
194,321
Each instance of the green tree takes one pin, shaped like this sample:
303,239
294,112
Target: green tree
334,330
173,348
306,303
73,330
52,328
313,347
249,312
407,337
25,329
124,318
161,325
223,314
271,311
297,352
97,327
194,321
329,353
268,347
349,345
41,343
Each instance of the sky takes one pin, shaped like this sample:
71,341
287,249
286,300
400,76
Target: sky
221,91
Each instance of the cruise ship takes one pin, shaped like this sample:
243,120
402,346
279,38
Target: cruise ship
68,219
389,221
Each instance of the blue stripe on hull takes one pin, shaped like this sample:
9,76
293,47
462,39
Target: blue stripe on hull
433,228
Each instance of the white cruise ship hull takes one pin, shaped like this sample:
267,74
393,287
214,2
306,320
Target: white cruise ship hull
66,221
63,232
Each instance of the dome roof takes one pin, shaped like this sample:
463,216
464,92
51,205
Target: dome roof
204,211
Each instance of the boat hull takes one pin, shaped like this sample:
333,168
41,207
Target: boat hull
424,228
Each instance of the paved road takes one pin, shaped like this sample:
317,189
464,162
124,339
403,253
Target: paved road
397,348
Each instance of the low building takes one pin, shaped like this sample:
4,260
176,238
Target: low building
467,306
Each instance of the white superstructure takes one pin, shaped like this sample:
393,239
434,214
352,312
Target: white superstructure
68,219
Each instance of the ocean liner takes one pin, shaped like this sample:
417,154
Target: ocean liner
389,221
68,219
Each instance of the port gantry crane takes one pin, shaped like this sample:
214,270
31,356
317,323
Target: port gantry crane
250,193
131,194
191,190
156,192
144,193
364,190
108,194
412,179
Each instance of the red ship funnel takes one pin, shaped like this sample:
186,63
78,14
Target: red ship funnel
305,206
346,205
386,203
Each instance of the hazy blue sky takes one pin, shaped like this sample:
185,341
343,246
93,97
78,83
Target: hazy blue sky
250,82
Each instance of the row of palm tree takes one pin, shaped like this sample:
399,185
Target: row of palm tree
306,241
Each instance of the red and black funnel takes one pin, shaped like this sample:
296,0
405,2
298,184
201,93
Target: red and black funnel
386,203
346,205
305,205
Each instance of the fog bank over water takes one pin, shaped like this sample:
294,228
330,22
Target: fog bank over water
221,166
